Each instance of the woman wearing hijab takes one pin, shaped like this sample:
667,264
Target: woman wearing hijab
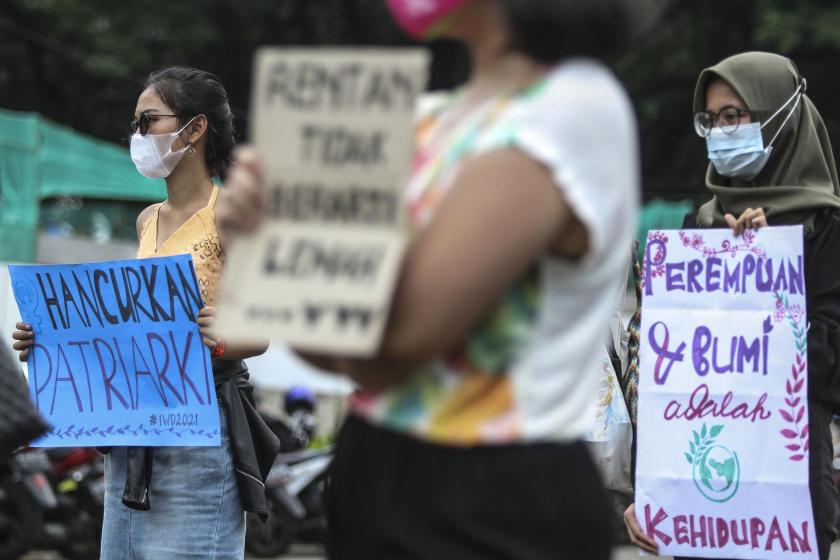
772,164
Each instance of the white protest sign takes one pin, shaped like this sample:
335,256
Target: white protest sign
335,130
722,467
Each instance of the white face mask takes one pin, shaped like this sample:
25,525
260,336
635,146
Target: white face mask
152,154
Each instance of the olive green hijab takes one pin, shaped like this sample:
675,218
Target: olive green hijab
800,178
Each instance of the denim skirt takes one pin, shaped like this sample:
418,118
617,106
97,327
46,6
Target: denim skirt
195,507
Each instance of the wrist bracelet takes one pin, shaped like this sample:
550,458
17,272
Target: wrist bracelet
220,349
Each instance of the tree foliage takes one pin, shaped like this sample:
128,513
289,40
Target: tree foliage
82,63
661,74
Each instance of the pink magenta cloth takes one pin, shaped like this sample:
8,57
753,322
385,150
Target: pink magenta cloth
421,18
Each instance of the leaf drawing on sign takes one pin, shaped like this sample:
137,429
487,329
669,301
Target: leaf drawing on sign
768,325
696,242
702,441
71,432
796,438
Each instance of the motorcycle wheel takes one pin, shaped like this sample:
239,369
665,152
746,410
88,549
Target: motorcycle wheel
272,538
20,521
86,534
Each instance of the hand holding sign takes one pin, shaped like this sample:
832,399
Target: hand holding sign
722,466
206,321
24,338
334,130
749,219
115,355
635,532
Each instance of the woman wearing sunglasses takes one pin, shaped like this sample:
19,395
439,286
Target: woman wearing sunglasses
187,502
771,163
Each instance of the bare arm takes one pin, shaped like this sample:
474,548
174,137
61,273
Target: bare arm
503,213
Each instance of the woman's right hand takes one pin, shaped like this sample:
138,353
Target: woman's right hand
24,339
637,536
750,219
241,205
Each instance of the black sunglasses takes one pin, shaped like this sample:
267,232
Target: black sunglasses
145,121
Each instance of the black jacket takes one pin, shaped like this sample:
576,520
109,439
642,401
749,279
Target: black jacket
822,298
253,444
822,295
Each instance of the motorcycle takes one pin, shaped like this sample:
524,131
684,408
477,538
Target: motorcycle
74,526
295,489
25,494
295,484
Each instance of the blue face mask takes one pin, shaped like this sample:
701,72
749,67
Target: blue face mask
742,154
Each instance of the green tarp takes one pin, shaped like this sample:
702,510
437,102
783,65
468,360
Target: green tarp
40,159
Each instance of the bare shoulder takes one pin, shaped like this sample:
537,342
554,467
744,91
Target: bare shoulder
144,217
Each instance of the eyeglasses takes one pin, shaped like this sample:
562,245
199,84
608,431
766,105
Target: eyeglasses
145,121
728,119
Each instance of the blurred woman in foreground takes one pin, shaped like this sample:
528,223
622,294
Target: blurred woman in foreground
464,441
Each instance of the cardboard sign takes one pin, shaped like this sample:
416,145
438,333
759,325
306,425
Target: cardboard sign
335,129
118,358
723,412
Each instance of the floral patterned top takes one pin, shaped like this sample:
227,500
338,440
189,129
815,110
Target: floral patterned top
197,237
529,370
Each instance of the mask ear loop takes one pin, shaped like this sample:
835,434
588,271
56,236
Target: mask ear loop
800,91
190,150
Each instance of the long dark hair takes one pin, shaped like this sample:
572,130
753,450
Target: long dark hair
190,92
550,30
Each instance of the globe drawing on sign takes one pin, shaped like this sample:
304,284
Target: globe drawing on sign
718,473
716,469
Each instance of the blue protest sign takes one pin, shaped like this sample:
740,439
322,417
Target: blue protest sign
118,358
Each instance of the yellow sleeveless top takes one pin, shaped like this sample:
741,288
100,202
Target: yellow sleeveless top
197,237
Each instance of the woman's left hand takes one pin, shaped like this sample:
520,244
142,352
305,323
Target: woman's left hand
221,348
750,219
636,534
206,321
